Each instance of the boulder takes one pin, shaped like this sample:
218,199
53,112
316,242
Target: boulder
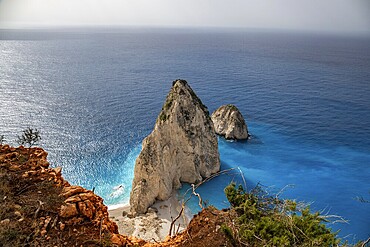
81,204
68,210
182,148
229,122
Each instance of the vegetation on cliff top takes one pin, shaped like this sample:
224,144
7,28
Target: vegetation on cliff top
232,107
29,137
264,220
2,139
175,92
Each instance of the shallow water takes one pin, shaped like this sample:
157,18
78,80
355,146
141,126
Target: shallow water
95,94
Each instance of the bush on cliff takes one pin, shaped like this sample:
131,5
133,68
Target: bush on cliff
2,139
264,220
29,137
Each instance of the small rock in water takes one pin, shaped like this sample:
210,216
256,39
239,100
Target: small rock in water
229,122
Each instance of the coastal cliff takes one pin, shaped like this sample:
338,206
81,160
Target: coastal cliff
38,207
182,148
229,122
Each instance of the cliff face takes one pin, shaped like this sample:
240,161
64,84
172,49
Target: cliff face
181,148
229,122
43,209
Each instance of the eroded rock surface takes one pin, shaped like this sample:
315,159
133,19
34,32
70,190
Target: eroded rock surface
181,148
45,210
229,122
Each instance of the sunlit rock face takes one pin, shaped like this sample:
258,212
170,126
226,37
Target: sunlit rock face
182,148
229,122
80,206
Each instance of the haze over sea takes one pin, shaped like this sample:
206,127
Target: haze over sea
95,94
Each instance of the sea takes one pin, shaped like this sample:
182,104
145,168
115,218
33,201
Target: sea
95,93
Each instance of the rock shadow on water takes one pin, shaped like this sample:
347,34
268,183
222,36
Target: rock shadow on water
252,140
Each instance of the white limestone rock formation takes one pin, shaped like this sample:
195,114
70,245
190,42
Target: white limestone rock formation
229,122
182,148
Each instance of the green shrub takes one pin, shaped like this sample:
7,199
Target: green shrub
268,221
163,117
228,233
231,107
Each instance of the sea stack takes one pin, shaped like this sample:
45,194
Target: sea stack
229,122
182,148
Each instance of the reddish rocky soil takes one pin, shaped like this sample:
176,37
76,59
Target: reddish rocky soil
204,230
39,208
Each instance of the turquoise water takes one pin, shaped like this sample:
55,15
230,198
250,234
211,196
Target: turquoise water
95,94
316,174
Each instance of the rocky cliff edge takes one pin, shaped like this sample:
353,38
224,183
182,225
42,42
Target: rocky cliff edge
39,208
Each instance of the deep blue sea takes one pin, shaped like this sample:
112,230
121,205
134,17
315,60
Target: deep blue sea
95,94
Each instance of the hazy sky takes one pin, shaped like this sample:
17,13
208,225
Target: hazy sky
321,15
